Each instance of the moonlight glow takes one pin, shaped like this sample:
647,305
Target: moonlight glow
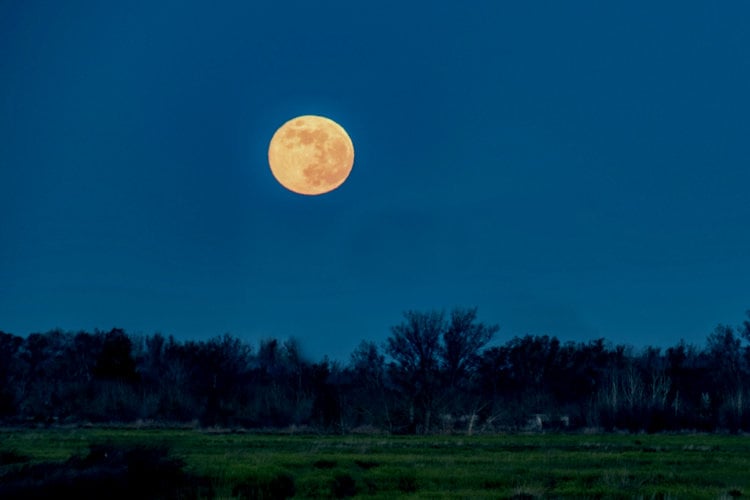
311,155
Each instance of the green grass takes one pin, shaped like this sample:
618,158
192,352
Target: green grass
498,466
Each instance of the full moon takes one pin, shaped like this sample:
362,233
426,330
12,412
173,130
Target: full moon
311,155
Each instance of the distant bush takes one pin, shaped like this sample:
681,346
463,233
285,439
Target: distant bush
366,464
407,483
324,464
276,487
107,471
8,457
343,486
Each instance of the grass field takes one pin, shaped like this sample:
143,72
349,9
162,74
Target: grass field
245,465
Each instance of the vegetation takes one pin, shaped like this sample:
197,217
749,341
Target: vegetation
438,411
151,463
436,373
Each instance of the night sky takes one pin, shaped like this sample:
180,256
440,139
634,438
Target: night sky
578,169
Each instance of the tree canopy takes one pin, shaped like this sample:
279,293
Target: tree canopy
436,372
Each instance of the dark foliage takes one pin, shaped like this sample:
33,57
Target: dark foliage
108,471
115,360
407,483
277,487
343,486
324,464
437,372
366,464
8,457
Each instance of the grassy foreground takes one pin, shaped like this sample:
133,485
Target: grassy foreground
240,465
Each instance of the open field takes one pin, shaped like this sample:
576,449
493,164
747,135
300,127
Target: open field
245,465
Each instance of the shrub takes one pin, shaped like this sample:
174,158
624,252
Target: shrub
8,457
279,486
343,486
107,471
366,464
324,464
407,483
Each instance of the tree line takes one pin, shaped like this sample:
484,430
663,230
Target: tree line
436,372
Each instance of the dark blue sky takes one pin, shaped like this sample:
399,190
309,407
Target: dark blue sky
579,169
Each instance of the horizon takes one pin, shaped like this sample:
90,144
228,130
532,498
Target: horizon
497,340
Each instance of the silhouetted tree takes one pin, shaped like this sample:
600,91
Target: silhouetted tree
460,352
10,346
725,362
463,340
369,391
324,380
42,356
115,360
434,361
414,346
435,372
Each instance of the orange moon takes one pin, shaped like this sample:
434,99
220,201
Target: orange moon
311,155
